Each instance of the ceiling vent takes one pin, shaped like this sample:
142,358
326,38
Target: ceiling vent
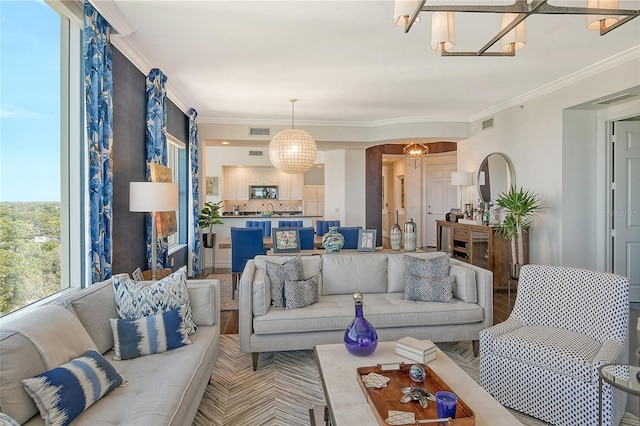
255,153
614,99
259,131
487,124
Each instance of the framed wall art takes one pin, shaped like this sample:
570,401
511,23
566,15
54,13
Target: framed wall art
166,222
367,240
212,185
285,240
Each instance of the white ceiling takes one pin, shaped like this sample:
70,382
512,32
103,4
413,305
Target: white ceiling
346,62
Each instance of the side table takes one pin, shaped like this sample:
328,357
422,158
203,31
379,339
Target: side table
620,376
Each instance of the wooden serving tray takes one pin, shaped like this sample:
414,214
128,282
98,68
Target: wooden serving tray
388,398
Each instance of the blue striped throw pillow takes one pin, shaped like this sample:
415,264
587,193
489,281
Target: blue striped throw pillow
149,335
63,393
136,299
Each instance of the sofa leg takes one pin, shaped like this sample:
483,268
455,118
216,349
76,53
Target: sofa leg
254,360
476,347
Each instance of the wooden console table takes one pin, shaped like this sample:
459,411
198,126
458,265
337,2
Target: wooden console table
480,246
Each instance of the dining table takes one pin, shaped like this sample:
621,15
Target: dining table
267,242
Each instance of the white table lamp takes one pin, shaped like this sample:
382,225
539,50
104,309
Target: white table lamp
461,179
153,197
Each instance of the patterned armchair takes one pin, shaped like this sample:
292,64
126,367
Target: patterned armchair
544,359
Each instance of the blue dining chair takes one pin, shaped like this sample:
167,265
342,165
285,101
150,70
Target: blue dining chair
246,243
290,224
306,238
264,224
322,226
350,234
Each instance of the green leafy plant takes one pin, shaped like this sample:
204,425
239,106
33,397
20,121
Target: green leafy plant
210,215
522,205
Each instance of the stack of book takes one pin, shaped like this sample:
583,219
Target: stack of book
423,351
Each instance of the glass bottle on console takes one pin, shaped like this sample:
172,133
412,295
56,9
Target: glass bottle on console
396,235
410,235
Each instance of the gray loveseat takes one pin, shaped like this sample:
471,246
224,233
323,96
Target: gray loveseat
163,389
264,328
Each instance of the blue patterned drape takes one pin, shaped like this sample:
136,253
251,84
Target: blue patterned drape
195,192
156,136
98,87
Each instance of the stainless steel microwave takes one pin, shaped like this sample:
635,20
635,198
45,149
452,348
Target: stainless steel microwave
263,192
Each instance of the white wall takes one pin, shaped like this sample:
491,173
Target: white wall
579,134
533,136
355,177
335,184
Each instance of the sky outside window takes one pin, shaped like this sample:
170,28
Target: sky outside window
29,102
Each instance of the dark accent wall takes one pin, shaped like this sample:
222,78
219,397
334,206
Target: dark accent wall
129,128
128,244
373,179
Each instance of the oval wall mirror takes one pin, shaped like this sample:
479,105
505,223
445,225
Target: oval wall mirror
495,175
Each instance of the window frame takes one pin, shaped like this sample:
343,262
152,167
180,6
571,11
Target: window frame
174,145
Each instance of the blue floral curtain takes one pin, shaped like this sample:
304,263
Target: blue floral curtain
195,192
98,87
156,147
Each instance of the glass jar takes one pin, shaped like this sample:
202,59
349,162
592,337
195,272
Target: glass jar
360,338
410,235
332,241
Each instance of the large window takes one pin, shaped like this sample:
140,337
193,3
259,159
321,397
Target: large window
39,150
175,149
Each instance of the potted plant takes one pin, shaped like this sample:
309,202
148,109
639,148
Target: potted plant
208,217
521,205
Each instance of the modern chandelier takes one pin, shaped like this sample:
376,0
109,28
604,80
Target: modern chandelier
415,154
292,150
602,15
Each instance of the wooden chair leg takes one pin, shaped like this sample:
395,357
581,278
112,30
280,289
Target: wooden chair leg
234,284
476,347
254,360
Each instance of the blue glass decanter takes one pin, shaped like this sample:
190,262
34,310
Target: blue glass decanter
360,338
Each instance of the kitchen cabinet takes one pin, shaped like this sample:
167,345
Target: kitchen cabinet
480,246
290,186
263,177
313,200
236,185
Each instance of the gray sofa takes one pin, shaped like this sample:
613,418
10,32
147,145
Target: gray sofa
163,389
264,328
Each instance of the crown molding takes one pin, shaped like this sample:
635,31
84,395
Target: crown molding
136,58
114,16
604,65
319,123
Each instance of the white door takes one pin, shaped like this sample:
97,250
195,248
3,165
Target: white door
626,204
440,199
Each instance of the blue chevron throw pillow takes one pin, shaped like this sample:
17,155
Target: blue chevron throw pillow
137,299
149,335
63,393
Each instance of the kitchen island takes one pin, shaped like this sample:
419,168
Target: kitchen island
223,231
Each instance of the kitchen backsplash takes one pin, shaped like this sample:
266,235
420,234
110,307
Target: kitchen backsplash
262,205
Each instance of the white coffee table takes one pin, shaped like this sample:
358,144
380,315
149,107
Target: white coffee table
348,406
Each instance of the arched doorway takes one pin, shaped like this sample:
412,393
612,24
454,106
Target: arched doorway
374,184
